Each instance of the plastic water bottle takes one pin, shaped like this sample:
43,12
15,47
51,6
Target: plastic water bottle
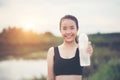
84,55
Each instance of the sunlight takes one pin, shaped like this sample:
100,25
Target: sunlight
34,24
29,25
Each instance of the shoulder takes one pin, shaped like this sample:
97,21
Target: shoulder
51,51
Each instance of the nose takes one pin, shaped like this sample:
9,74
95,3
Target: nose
68,31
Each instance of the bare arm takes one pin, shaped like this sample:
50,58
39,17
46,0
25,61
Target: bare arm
50,63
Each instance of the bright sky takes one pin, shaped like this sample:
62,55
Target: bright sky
44,15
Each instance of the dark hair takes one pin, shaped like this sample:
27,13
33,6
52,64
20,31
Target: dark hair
72,18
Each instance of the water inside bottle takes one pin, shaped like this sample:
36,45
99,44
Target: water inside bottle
84,55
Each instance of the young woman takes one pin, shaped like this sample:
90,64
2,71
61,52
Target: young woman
63,60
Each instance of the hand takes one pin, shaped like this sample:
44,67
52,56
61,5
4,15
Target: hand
90,48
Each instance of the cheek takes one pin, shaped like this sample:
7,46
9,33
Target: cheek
75,32
62,32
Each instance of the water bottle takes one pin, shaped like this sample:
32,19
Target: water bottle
84,55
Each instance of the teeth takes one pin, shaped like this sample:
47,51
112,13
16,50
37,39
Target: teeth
69,36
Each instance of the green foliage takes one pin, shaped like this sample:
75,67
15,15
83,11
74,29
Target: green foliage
109,71
42,78
101,56
37,78
16,42
109,40
16,36
106,48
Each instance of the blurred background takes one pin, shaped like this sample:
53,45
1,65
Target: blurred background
28,28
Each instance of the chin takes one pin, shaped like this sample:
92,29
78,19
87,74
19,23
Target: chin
69,41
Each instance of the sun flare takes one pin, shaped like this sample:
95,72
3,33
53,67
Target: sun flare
29,25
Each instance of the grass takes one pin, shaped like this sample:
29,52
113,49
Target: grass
36,78
110,71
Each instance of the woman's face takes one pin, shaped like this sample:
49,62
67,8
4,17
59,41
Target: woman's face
68,30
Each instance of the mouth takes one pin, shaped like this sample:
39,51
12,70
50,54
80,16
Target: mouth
68,36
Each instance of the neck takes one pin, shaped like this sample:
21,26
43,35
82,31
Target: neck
69,45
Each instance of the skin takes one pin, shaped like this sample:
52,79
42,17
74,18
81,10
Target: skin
69,32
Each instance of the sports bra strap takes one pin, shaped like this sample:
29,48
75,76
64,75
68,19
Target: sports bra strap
56,52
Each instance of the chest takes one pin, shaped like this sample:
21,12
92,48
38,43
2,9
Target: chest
67,54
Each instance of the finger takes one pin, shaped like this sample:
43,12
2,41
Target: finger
89,42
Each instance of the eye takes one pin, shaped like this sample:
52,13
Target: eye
64,28
72,27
